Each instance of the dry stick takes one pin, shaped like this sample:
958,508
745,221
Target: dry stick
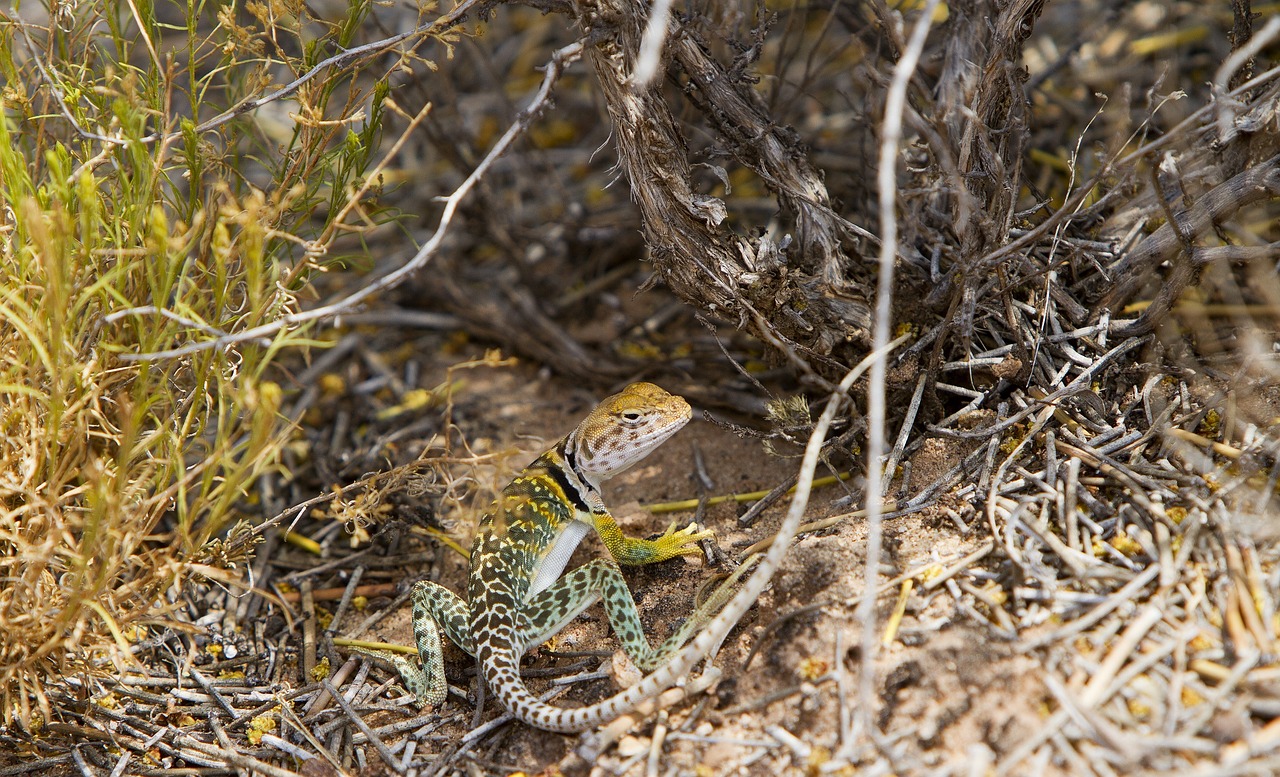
655,36
57,93
207,685
1070,206
289,715
559,61
1097,728
891,136
749,517
321,244
383,751
951,571
1076,386
1226,108
1113,602
1124,649
904,434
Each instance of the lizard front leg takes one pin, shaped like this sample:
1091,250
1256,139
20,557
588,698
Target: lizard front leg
632,551
434,608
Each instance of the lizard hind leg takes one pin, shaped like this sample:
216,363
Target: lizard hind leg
434,608
552,609
709,608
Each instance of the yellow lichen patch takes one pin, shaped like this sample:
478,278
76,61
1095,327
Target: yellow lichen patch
995,593
411,401
263,724
812,668
1200,642
1139,709
929,573
1011,443
321,670
1126,545
818,757
1211,425
107,701
332,385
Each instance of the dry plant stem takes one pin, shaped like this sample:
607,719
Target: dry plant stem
32,51
1222,78
1258,182
890,137
35,767
749,517
371,736
655,36
441,25
322,243
988,118
700,257
1072,204
773,153
559,61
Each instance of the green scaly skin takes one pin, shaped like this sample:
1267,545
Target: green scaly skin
517,595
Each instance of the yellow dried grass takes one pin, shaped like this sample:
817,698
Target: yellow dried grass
115,471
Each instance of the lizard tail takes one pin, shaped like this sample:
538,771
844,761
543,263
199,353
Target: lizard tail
531,710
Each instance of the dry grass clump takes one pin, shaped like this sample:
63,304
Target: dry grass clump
130,238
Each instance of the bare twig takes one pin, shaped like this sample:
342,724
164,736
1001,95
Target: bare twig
891,135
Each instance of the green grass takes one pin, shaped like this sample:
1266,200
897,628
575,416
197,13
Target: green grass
125,232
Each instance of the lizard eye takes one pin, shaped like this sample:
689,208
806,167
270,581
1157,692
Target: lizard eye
631,415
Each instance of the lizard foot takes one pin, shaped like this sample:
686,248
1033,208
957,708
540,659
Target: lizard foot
683,542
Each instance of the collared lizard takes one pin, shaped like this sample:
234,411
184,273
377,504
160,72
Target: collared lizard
516,596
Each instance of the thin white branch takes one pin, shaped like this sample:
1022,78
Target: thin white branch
655,36
111,318
1221,79
887,180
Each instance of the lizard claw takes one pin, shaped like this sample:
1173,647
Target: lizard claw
685,541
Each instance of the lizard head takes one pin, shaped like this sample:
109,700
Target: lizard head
625,428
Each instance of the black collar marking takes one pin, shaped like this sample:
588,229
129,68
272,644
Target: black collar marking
558,475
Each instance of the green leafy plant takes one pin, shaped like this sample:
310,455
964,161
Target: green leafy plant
134,243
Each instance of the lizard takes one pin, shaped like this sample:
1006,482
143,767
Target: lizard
710,631
501,628
516,594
